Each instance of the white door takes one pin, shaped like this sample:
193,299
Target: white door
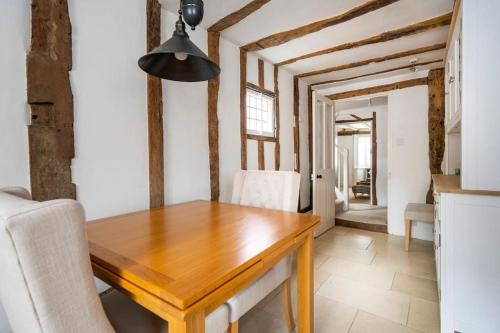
323,168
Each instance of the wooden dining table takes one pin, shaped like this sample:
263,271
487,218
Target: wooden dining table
183,261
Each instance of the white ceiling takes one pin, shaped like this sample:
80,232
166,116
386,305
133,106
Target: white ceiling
281,15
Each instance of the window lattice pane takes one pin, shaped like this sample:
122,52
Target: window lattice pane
260,113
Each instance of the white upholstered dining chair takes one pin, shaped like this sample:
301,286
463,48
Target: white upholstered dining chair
274,190
47,284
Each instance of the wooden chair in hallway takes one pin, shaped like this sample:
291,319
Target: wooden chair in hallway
416,212
274,190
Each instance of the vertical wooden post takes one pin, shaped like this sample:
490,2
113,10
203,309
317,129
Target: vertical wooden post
374,160
51,137
261,73
260,148
243,107
155,111
277,147
310,139
296,131
213,121
436,125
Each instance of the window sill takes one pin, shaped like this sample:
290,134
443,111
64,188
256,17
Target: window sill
261,138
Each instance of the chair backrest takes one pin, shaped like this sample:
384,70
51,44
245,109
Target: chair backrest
47,284
267,189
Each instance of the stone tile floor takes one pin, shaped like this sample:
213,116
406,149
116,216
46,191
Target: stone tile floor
364,282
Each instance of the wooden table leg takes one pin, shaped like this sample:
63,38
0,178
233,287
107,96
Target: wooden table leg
305,281
407,234
192,324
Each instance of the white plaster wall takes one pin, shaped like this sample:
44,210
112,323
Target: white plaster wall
285,82
382,158
110,168
408,157
229,118
14,161
14,36
187,171
347,142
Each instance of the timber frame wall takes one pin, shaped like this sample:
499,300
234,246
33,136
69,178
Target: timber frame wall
244,84
51,136
286,36
155,111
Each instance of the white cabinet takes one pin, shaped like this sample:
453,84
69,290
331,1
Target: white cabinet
453,80
468,262
480,94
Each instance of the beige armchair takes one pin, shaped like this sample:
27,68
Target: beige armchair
274,190
47,281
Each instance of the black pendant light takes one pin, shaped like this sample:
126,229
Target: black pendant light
179,59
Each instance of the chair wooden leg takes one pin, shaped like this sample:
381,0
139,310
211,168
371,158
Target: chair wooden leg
287,304
233,328
407,234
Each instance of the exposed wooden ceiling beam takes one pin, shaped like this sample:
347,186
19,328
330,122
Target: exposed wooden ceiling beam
286,36
237,16
350,121
379,89
353,132
375,60
412,29
356,117
379,72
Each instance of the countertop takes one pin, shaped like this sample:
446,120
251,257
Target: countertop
451,184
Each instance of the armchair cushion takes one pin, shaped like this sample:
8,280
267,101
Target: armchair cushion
249,297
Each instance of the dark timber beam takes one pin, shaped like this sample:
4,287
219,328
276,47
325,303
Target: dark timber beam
353,121
260,152
155,112
379,72
296,130
237,16
277,147
50,135
375,60
374,160
379,89
356,117
286,36
409,30
213,121
353,132
261,73
436,116
243,108
310,140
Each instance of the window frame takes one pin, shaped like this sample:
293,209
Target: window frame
268,93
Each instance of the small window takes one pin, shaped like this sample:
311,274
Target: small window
260,113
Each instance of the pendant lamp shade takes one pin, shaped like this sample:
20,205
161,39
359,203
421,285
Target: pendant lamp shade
179,59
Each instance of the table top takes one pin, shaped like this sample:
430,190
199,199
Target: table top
183,252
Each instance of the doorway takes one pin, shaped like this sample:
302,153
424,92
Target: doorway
361,134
